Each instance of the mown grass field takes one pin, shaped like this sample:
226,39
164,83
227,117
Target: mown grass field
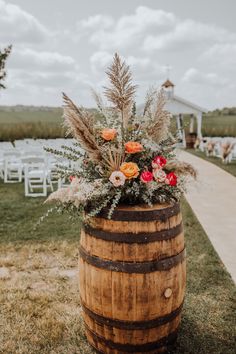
48,124
230,167
39,296
214,125
219,125
28,116
16,125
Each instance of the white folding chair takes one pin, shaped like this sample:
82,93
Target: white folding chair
233,157
32,152
35,173
217,150
12,167
52,176
2,169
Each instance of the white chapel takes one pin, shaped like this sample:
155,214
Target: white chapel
178,106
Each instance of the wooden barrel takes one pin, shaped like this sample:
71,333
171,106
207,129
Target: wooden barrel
190,140
132,279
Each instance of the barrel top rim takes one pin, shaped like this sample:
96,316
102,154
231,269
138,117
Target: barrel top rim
144,207
142,213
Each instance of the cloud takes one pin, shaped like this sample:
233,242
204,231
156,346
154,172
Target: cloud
202,54
221,55
20,77
32,72
99,61
151,30
128,30
196,77
27,86
28,68
208,89
17,25
85,27
146,69
187,34
96,21
41,60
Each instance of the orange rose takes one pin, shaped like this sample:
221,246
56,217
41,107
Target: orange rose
132,147
108,134
129,169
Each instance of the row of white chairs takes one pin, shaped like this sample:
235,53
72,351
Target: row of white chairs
28,161
216,147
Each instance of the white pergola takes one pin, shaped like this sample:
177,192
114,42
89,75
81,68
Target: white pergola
178,106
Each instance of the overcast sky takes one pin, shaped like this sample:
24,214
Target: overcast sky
66,45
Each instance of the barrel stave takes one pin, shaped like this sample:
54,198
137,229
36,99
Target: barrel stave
127,297
138,337
118,251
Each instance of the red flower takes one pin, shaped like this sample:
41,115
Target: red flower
71,178
158,162
146,176
171,179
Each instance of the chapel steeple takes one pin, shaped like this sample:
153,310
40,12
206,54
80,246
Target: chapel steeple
169,88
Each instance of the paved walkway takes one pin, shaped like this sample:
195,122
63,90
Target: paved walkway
213,200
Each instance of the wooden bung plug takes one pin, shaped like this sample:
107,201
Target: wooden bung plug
168,293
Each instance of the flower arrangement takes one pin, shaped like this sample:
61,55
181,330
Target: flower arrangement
122,157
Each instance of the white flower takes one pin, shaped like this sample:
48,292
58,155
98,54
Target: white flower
117,178
159,175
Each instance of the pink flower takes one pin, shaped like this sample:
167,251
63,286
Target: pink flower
117,178
171,179
71,178
159,175
146,176
158,162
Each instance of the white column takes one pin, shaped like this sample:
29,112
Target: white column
191,126
178,126
182,130
199,125
181,133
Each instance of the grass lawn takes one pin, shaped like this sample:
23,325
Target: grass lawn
231,167
40,310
